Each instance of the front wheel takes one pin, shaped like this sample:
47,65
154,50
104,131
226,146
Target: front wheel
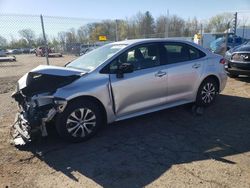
80,121
207,92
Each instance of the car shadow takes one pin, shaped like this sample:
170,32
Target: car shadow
244,79
135,152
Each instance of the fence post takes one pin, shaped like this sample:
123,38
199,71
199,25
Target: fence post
116,30
226,42
45,41
201,35
166,25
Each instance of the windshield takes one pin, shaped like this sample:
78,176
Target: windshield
93,59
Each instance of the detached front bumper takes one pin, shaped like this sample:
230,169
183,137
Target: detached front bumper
30,122
21,130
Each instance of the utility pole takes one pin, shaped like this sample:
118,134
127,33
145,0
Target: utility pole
116,30
45,41
201,35
243,32
167,25
235,23
226,42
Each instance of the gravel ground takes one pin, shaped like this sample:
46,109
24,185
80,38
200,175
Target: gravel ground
170,148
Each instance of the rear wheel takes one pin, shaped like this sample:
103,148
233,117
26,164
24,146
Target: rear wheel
80,121
207,92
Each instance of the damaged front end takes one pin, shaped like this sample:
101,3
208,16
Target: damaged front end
33,115
37,105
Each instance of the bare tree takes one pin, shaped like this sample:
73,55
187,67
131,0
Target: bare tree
3,42
161,26
191,27
71,36
123,29
62,37
148,24
219,22
176,26
28,35
82,34
39,41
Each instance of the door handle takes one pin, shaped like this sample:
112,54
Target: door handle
160,74
196,65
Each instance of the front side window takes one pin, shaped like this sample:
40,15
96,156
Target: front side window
141,57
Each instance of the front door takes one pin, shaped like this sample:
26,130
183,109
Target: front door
145,87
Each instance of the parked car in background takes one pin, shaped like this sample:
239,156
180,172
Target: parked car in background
9,51
40,51
114,82
2,53
25,50
14,51
218,46
238,60
32,51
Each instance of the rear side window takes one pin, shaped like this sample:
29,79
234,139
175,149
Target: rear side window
179,52
195,53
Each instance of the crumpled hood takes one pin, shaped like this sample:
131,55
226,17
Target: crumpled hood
45,78
55,70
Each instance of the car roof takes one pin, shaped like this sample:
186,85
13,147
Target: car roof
134,41
151,40
245,47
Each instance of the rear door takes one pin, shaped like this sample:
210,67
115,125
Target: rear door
185,66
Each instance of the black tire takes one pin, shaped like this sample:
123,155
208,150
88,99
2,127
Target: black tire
205,96
233,75
64,124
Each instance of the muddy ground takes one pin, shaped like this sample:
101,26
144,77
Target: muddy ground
170,148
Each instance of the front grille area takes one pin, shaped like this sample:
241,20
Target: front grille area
241,57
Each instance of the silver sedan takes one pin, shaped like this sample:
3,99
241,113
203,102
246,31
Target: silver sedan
115,82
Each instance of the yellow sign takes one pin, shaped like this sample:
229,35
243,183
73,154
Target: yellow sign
102,38
197,36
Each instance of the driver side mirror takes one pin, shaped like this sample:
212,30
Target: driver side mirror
124,68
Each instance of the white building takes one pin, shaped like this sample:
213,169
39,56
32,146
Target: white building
243,31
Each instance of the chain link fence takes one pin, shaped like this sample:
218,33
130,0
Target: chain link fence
27,41
25,44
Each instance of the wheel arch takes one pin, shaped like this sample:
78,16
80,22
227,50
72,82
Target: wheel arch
94,100
211,76
204,79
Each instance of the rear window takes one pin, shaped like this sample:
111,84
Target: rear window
179,52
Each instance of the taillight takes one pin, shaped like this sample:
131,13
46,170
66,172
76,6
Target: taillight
223,61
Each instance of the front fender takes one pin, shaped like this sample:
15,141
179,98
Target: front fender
94,85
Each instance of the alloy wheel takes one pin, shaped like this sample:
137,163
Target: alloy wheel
208,93
81,122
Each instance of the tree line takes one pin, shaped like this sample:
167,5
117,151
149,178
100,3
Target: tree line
142,25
